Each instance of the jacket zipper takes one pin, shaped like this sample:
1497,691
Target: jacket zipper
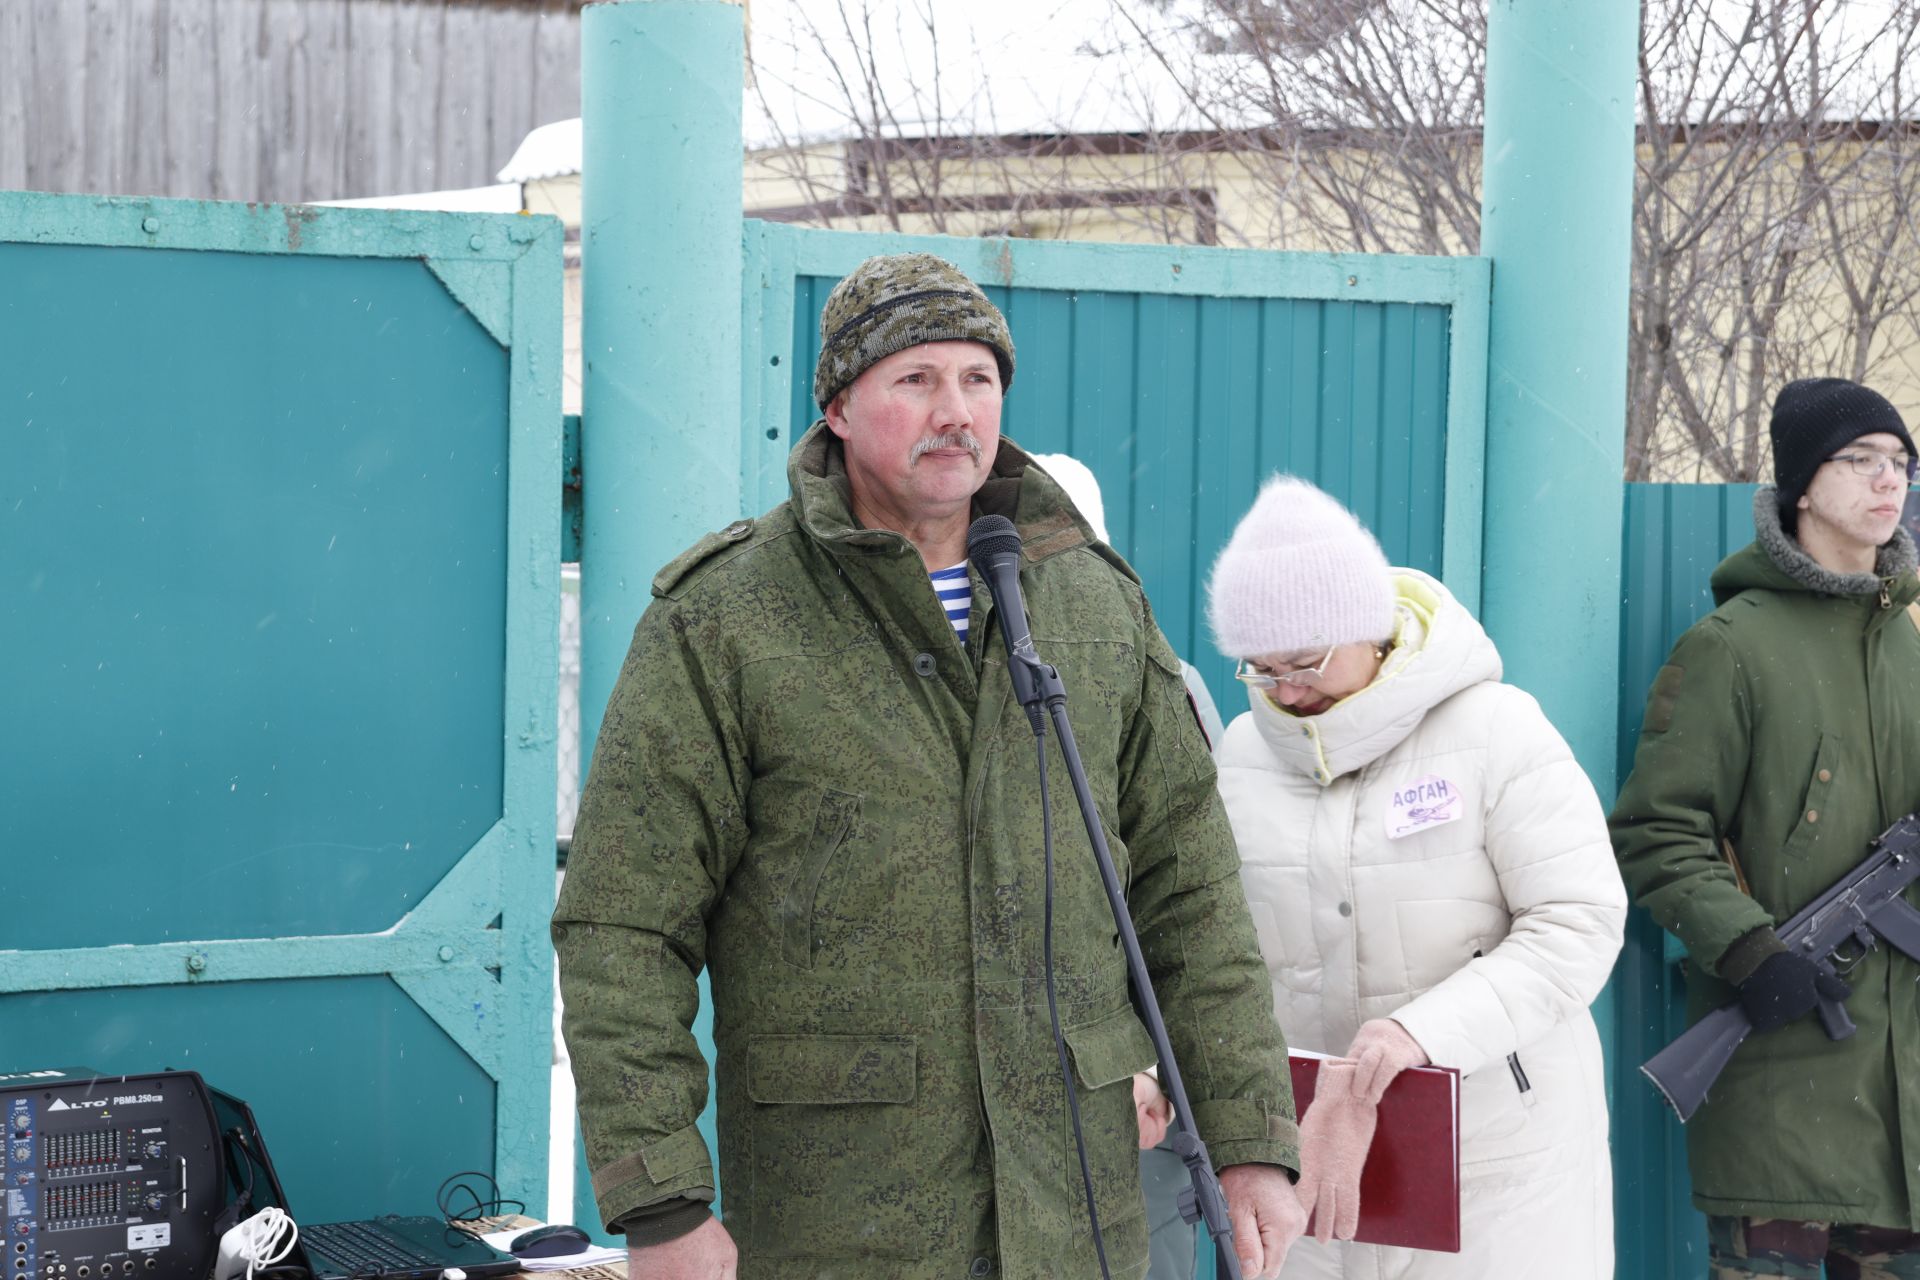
1513,1059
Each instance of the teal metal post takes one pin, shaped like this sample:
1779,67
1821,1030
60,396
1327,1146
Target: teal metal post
661,84
1557,201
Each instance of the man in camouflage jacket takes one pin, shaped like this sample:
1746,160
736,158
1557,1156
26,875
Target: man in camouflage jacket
808,784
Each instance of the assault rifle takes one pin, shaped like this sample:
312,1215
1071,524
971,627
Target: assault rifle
1863,906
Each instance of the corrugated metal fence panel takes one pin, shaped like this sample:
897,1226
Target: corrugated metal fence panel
281,537
1182,405
1674,536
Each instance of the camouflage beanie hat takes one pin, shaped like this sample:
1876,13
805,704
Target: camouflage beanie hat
898,301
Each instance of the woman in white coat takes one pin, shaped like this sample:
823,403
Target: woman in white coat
1430,875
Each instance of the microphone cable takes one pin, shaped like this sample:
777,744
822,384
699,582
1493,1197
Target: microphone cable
994,549
1053,1009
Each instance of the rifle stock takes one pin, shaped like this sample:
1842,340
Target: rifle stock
1687,1068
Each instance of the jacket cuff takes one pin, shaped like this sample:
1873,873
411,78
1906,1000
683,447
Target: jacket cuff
659,1223
1715,920
1461,1023
1747,953
1245,1131
675,1167
1282,1155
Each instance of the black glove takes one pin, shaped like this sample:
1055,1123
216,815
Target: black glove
1787,986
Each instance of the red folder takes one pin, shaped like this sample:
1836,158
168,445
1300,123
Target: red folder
1410,1187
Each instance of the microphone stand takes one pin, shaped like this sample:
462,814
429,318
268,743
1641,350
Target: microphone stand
1204,1200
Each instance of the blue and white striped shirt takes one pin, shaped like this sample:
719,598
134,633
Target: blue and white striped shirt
956,596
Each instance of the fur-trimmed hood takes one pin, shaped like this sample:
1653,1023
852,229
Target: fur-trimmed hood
1777,562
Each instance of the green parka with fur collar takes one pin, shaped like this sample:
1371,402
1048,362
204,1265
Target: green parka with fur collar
1787,723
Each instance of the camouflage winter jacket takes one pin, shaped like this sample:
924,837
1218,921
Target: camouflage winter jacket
807,785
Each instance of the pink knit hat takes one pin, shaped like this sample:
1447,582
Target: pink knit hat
1299,573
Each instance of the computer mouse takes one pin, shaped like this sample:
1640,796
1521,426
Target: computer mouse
549,1242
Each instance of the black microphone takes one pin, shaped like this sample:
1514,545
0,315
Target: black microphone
993,545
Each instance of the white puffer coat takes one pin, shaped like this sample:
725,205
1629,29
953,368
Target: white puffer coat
1429,850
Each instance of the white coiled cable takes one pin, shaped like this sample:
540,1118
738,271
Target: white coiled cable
264,1239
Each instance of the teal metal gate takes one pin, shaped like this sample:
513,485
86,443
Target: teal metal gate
279,554
1183,377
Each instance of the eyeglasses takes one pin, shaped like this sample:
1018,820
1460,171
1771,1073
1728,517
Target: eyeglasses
1870,464
1247,673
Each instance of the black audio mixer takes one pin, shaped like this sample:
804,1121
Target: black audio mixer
108,1177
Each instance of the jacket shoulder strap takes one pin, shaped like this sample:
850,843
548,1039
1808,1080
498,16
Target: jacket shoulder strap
681,568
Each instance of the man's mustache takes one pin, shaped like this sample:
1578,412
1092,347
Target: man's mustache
951,440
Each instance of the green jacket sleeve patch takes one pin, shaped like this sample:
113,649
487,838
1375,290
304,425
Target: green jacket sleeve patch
1661,699
1685,793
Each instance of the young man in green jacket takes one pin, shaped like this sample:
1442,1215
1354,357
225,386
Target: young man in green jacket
1781,737
813,782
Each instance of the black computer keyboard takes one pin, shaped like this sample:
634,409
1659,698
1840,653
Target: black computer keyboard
360,1247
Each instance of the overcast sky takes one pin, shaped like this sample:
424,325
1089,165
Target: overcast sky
1002,66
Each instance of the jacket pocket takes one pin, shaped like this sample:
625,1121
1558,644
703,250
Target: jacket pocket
809,893
1493,1114
1110,1049
1439,936
1106,1054
1813,813
839,1164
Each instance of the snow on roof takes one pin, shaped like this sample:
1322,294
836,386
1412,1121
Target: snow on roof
504,198
550,151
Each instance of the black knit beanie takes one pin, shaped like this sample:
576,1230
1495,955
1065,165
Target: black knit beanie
1813,419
